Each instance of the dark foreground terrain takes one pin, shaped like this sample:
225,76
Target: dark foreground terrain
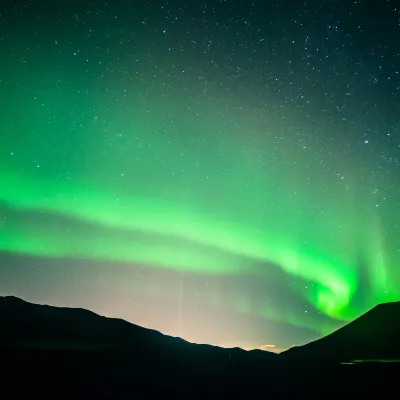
126,374
69,353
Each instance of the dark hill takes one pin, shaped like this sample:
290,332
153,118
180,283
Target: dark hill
26,325
79,350
373,336
74,353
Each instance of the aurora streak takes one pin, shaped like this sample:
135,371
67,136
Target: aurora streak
132,162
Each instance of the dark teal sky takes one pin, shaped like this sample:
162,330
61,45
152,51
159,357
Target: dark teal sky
227,173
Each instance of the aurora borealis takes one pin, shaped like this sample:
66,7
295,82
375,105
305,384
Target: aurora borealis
226,173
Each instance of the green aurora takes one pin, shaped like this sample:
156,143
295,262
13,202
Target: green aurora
175,165
234,204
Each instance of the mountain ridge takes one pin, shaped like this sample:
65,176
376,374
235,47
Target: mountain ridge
30,322
72,352
380,314
45,313
373,335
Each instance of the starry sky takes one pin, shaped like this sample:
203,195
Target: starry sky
224,171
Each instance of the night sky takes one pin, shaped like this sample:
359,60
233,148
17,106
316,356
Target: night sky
224,171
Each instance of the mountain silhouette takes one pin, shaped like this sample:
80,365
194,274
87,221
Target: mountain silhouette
42,326
96,356
32,326
65,352
373,336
